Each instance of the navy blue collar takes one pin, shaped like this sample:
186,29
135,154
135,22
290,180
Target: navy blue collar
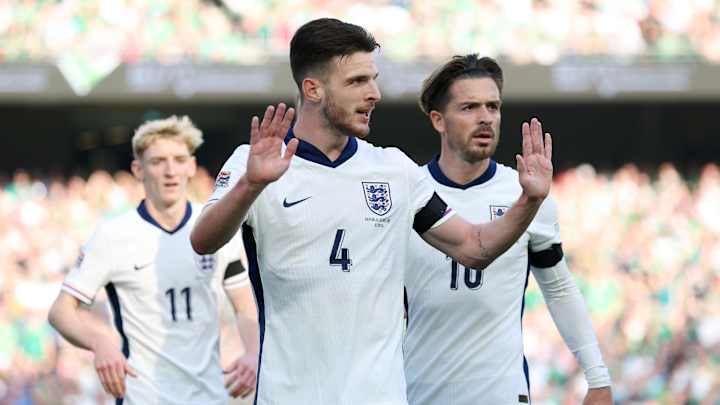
441,178
144,214
308,151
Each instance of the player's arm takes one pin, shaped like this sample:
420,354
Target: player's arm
86,331
571,317
241,373
220,221
477,245
565,302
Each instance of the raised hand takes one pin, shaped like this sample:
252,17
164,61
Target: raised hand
535,165
111,367
241,374
265,162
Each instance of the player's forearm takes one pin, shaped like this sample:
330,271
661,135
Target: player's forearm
490,240
76,325
221,220
571,317
249,333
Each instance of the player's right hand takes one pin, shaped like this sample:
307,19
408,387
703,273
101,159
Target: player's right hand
111,367
265,162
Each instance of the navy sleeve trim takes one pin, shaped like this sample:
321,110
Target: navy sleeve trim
233,269
548,257
429,214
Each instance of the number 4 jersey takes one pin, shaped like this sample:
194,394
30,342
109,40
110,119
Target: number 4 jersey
464,338
164,304
326,247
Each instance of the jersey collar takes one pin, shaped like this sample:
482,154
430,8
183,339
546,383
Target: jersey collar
145,214
308,151
441,178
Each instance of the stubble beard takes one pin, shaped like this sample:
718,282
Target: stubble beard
338,120
473,154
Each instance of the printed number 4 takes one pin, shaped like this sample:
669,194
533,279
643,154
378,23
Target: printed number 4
340,256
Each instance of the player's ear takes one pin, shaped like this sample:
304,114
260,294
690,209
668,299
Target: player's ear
312,90
438,121
137,170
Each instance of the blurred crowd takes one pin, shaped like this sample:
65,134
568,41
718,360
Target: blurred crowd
253,31
645,252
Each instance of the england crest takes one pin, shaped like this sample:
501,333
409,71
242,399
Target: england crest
377,197
223,179
496,211
206,263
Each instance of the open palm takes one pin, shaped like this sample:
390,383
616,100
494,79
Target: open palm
535,165
266,162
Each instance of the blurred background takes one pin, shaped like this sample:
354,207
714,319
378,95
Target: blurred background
629,89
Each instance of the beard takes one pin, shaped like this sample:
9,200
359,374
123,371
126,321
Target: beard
472,153
340,121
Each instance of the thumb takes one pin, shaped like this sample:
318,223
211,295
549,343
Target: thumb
291,148
232,366
520,163
130,371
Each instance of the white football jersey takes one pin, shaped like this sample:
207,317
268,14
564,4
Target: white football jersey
464,338
326,246
163,298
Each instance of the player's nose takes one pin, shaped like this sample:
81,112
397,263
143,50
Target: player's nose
374,92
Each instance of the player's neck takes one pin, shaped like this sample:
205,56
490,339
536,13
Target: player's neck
461,171
309,128
169,217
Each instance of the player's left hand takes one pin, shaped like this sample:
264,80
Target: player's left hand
240,375
535,165
598,396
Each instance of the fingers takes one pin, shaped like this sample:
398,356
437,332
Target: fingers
111,380
266,121
277,120
526,140
536,136
533,140
291,149
241,382
286,121
105,381
118,379
254,130
548,146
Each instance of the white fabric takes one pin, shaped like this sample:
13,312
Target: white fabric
177,361
464,343
332,335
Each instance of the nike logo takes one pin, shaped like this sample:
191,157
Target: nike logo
287,204
140,267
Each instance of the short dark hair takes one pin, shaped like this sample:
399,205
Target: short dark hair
434,95
318,41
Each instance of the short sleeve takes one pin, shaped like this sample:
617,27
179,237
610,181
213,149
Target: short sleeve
233,169
423,199
545,229
93,268
231,172
235,273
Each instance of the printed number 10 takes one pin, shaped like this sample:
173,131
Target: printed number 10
473,278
